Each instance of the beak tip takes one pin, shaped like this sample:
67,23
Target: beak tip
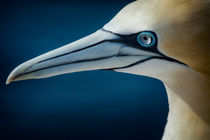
10,79
8,82
13,75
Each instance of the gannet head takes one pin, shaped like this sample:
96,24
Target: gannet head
147,37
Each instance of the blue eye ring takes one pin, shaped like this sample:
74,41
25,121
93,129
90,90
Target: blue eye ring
146,36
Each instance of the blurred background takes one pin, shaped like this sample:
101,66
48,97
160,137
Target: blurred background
95,105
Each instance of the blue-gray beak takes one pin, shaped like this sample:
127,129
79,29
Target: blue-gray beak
100,50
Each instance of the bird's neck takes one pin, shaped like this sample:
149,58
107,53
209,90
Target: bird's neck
189,107
183,122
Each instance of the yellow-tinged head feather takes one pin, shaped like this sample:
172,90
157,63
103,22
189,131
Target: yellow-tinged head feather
182,26
187,38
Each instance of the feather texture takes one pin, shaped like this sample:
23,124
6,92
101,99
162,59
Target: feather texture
183,28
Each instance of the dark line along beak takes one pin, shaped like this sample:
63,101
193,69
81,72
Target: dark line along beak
100,50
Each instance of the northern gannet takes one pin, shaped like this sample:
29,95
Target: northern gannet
163,39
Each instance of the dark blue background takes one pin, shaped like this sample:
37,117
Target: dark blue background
97,105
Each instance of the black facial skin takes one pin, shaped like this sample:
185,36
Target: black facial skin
131,41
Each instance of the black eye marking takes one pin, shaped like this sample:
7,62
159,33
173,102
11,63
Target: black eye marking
146,40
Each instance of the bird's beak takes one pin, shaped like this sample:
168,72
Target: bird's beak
100,50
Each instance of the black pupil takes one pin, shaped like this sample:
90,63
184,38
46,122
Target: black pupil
145,38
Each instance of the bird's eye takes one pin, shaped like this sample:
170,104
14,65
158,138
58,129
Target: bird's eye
146,39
